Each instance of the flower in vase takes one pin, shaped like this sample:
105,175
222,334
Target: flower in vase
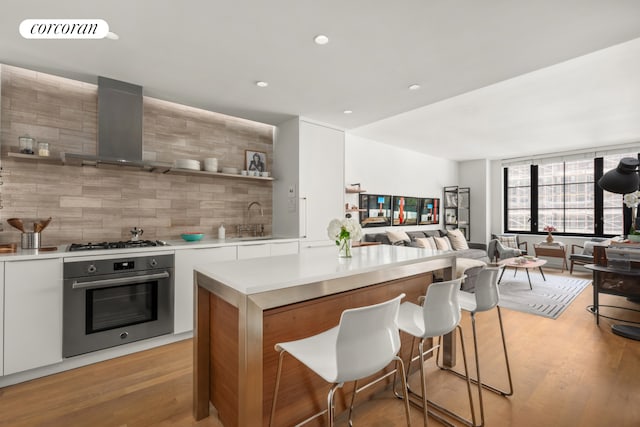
342,231
631,200
549,229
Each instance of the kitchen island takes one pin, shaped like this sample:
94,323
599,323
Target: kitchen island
244,307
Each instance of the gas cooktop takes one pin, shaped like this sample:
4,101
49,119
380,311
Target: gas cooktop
116,245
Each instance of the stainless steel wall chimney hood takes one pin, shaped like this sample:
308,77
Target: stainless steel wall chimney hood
119,128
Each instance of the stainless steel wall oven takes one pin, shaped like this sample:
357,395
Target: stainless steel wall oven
114,300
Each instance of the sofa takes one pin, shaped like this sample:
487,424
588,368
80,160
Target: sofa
469,262
476,250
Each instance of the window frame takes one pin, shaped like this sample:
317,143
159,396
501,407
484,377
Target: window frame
598,203
505,204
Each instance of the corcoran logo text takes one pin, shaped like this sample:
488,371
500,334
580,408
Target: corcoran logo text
64,28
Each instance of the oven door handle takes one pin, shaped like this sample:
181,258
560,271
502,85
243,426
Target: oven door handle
120,281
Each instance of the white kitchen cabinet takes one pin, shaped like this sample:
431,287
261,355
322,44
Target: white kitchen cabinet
321,179
309,191
257,250
306,245
32,314
284,248
260,250
185,260
1,318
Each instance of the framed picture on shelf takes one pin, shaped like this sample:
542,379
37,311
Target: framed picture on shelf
376,210
405,210
429,211
255,161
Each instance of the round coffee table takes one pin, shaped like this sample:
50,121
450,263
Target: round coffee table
527,264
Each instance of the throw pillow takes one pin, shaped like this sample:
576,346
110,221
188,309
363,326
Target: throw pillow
426,242
509,241
457,239
442,243
398,237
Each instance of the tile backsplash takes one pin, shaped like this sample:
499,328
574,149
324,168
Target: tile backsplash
103,203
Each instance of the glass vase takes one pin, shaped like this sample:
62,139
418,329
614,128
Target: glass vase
344,248
549,238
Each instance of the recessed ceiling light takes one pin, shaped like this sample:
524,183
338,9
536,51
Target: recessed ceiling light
347,111
262,84
112,36
321,39
414,87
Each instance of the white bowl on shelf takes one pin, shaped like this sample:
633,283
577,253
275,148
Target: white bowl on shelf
188,164
232,171
211,164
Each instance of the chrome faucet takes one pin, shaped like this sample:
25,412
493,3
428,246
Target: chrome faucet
255,228
249,210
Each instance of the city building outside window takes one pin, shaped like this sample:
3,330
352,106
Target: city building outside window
518,198
562,194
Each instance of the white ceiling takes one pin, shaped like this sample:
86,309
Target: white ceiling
587,102
465,54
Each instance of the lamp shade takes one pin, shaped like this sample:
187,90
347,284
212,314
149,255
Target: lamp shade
623,179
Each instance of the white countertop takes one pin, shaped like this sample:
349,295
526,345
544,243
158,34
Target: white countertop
257,275
173,245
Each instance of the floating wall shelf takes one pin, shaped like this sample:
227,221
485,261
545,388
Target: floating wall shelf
354,189
47,159
150,168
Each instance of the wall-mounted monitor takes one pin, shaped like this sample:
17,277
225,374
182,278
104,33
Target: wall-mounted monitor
405,210
376,210
429,211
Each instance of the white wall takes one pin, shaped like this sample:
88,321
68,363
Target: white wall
384,169
476,175
286,173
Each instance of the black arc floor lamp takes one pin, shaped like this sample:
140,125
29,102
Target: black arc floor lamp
623,179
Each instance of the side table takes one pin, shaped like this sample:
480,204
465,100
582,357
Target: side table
612,281
552,250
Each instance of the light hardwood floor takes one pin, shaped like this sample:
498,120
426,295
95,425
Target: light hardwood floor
567,372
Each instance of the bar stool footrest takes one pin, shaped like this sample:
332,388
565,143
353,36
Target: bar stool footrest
486,386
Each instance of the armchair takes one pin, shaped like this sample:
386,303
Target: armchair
512,241
583,254
496,250
579,257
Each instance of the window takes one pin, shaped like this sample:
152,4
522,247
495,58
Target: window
611,202
518,179
566,196
563,194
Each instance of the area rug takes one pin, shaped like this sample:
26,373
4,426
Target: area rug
548,298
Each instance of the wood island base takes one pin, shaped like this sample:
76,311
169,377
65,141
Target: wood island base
234,357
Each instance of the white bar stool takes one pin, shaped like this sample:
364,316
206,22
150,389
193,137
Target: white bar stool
439,315
364,342
485,298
